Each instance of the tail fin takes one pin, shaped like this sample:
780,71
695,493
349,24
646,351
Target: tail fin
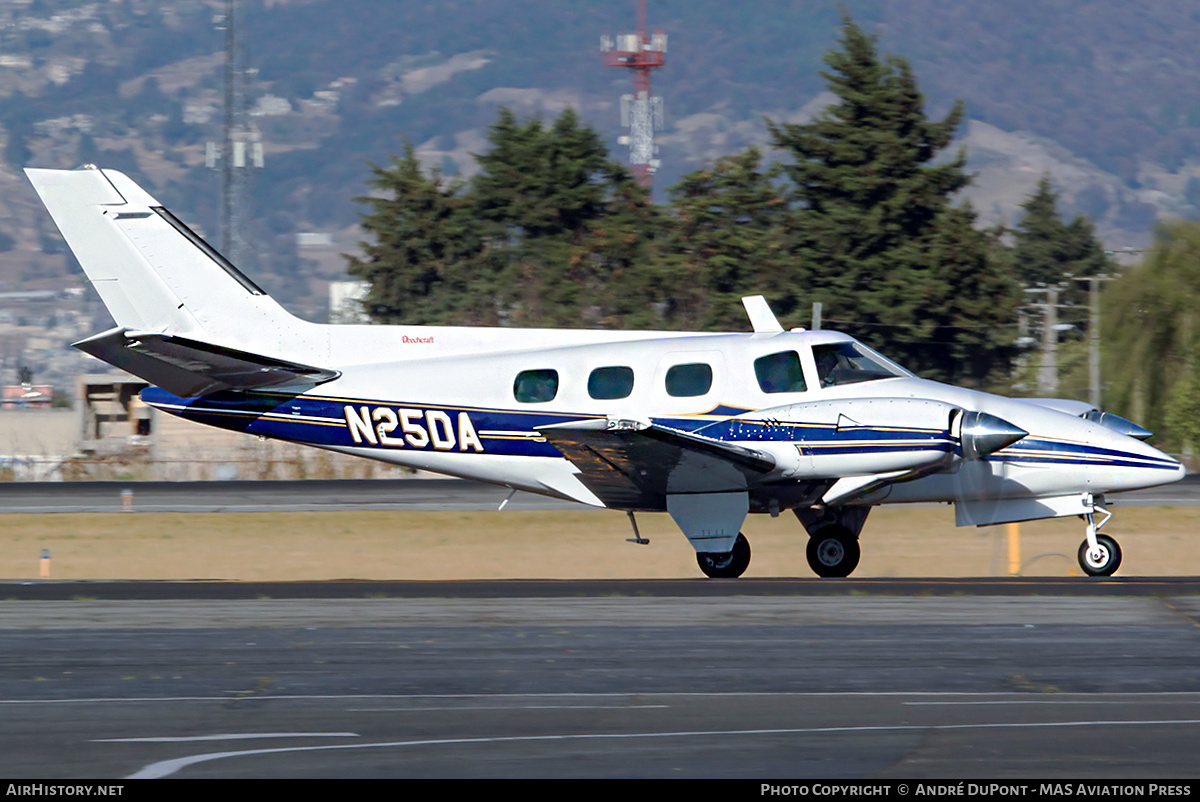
187,319
152,272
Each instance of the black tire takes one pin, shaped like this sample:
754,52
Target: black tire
833,552
1109,558
726,565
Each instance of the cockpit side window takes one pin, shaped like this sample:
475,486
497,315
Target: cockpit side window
610,383
847,363
780,373
536,386
692,379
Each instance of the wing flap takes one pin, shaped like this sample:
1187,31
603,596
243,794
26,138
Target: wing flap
635,465
190,368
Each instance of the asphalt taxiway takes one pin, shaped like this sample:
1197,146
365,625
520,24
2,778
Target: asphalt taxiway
683,679
758,678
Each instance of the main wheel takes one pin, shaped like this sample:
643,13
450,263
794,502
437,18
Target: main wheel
833,552
1104,561
728,564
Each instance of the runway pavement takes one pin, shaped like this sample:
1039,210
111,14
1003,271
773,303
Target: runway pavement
755,679
519,682
360,494
266,496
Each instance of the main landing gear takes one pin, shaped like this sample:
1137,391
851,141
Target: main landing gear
833,551
726,565
1099,555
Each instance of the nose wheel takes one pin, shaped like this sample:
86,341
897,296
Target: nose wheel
1099,555
1102,560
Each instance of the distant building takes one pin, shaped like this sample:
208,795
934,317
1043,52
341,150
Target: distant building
313,239
346,302
26,396
271,106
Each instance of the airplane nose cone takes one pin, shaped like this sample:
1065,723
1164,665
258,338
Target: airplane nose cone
1180,472
984,434
1136,465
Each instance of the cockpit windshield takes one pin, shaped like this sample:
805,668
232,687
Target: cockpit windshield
850,363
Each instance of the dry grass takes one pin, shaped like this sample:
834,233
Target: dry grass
897,542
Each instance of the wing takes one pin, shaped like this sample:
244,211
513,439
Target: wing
635,465
190,368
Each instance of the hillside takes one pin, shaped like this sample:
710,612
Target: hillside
1101,94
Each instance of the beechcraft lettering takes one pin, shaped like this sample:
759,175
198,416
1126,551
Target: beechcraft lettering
708,428
417,429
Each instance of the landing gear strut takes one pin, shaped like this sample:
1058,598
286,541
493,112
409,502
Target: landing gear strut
1099,555
833,551
726,565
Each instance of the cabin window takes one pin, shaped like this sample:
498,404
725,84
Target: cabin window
536,386
850,363
688,380
609,383
780,373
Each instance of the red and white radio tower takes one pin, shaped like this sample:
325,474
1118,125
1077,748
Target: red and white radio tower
640,112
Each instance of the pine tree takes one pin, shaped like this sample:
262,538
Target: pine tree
548,233
1047,250
545,199
971,311
422,244
725,242
869,206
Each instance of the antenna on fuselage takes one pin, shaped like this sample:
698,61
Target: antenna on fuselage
762,319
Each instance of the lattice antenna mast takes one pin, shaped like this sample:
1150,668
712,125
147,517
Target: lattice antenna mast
241,148
641,112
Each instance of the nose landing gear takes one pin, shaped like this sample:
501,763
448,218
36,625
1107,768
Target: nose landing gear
1099,555
1103,560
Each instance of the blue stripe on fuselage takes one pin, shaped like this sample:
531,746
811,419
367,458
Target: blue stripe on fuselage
325,421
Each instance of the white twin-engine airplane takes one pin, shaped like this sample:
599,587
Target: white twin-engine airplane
708,427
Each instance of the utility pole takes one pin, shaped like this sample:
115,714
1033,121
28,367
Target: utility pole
1048,371
1048,366
1094,391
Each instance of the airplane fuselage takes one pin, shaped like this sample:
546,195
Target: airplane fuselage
460,411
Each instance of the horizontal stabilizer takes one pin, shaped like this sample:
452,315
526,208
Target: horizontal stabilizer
635,465
190,368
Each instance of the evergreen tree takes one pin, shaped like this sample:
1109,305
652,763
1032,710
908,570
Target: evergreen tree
725,242
546,200
1046,249
548,233
422,241
869,206
971,310
622,249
